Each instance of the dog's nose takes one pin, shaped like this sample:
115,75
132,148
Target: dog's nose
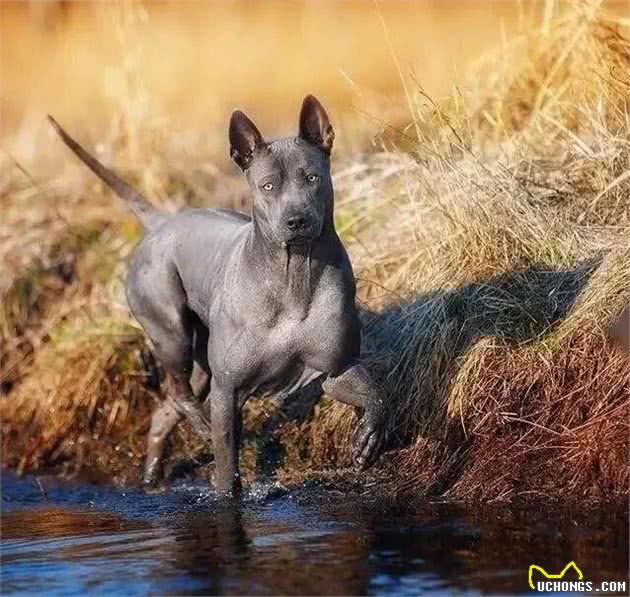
296,223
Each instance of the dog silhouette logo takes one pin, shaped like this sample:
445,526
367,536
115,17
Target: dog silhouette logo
553,576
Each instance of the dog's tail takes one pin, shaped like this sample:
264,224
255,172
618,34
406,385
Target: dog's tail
150,216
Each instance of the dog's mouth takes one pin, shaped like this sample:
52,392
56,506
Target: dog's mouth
302,241
301,237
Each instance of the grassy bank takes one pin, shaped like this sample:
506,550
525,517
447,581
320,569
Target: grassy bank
490,241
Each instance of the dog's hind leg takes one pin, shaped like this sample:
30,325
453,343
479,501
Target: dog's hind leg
180,402
164,420
158,302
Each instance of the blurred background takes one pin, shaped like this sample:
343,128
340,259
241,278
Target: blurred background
196,61
182,67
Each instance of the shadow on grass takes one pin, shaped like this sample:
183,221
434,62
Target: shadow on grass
425,340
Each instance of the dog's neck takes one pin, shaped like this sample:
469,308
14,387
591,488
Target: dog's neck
300,276
290,272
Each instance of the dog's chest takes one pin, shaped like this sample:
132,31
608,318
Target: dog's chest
304,330
271,353
290,349
304,313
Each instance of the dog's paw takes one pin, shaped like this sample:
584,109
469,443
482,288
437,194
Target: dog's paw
368,440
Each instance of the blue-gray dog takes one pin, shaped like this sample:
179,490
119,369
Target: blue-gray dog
238,305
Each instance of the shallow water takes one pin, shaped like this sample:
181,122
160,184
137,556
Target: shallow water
69,539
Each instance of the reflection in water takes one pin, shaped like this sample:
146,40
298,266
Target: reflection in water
310,541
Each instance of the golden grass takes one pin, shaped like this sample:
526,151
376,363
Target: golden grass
490,242
262,57
510,252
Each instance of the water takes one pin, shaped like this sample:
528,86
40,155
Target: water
69,539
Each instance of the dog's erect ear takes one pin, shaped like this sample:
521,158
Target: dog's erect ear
315,126
245,138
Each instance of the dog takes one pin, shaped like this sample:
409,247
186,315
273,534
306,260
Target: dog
236,305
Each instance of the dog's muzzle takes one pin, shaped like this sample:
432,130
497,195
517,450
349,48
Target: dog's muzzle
299,229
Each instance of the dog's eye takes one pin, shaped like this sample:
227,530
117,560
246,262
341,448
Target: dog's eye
312,178
267,187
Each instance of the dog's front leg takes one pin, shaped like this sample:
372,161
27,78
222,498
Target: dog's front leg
226,426
356,387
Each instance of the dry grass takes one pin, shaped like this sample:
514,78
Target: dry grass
509,250
490,240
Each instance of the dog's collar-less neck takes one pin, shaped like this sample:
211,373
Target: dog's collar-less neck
298,271
292,267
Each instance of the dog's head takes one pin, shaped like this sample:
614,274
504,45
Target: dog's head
290,178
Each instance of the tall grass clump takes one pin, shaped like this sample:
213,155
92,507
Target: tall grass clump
490,243
505,255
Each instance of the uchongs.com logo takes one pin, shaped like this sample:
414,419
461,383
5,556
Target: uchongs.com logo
574,581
